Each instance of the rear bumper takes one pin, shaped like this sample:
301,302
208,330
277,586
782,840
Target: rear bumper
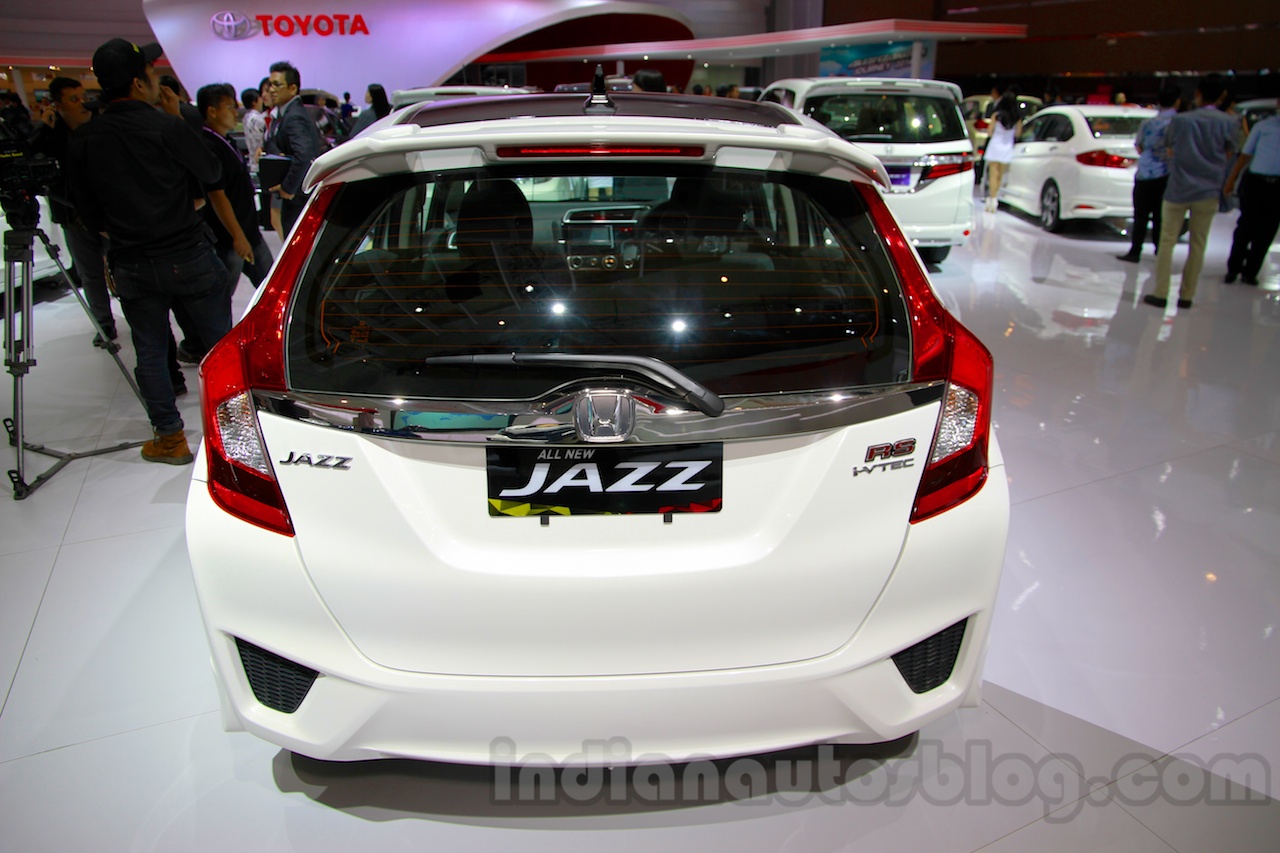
1096,209
939,235
357,709
939,215
1101,193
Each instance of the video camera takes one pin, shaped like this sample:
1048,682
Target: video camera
24,173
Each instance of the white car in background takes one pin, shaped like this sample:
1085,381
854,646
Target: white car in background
917,131
1255,110
1075,162
702,467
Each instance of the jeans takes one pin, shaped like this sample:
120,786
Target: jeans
1257,226
192,343
1148,196
194,281
290,210
1173,213
235,265
86,255
262,260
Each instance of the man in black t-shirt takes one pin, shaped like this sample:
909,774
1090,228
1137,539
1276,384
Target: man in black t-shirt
130,172
231,212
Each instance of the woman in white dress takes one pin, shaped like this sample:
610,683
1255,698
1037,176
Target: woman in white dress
1005,127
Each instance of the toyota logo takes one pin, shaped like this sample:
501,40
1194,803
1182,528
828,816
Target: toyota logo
232,26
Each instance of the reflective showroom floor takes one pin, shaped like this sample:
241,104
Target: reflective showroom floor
1132,700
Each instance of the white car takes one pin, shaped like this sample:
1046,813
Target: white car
1255,110
916,129
702,468
1075,162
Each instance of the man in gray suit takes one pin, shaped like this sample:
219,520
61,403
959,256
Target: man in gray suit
293,134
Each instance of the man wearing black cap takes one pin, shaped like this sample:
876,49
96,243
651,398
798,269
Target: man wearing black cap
131,171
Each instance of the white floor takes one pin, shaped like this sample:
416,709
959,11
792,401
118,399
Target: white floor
1133,685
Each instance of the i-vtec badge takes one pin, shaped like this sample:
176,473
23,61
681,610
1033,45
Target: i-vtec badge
890,452
336,463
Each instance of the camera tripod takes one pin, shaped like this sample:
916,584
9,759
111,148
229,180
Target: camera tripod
19,343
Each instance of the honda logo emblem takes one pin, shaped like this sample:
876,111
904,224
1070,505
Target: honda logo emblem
604,416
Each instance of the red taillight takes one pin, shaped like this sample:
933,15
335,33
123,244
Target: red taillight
942,349
508,151
946,164
981,124
1106,159
241,479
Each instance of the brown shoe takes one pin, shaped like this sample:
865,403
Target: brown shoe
170,449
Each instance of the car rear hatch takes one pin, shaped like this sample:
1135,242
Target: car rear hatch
702,454
914,127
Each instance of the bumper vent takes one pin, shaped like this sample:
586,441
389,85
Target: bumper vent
277,682
929,662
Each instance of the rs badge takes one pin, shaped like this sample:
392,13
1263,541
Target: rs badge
891,453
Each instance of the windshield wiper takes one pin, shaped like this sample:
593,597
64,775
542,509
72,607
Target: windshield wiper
655,370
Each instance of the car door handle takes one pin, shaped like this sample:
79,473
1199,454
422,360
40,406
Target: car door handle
1053,148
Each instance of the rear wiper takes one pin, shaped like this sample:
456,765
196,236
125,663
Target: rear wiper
702,398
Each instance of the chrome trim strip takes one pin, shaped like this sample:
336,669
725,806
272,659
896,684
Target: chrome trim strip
550,420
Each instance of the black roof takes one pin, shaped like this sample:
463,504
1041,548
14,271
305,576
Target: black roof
651,105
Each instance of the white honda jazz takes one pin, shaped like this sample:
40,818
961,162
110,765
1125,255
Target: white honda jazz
693,460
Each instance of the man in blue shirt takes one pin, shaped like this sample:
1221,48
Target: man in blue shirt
1202,143
1259,201
1153,172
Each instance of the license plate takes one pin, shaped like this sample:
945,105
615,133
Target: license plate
615,480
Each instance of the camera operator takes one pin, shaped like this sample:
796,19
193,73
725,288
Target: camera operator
66,112
130,172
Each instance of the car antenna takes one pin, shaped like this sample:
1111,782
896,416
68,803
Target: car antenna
599,102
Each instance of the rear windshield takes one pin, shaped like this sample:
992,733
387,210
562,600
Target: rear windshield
748,282
1114,125
888,118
